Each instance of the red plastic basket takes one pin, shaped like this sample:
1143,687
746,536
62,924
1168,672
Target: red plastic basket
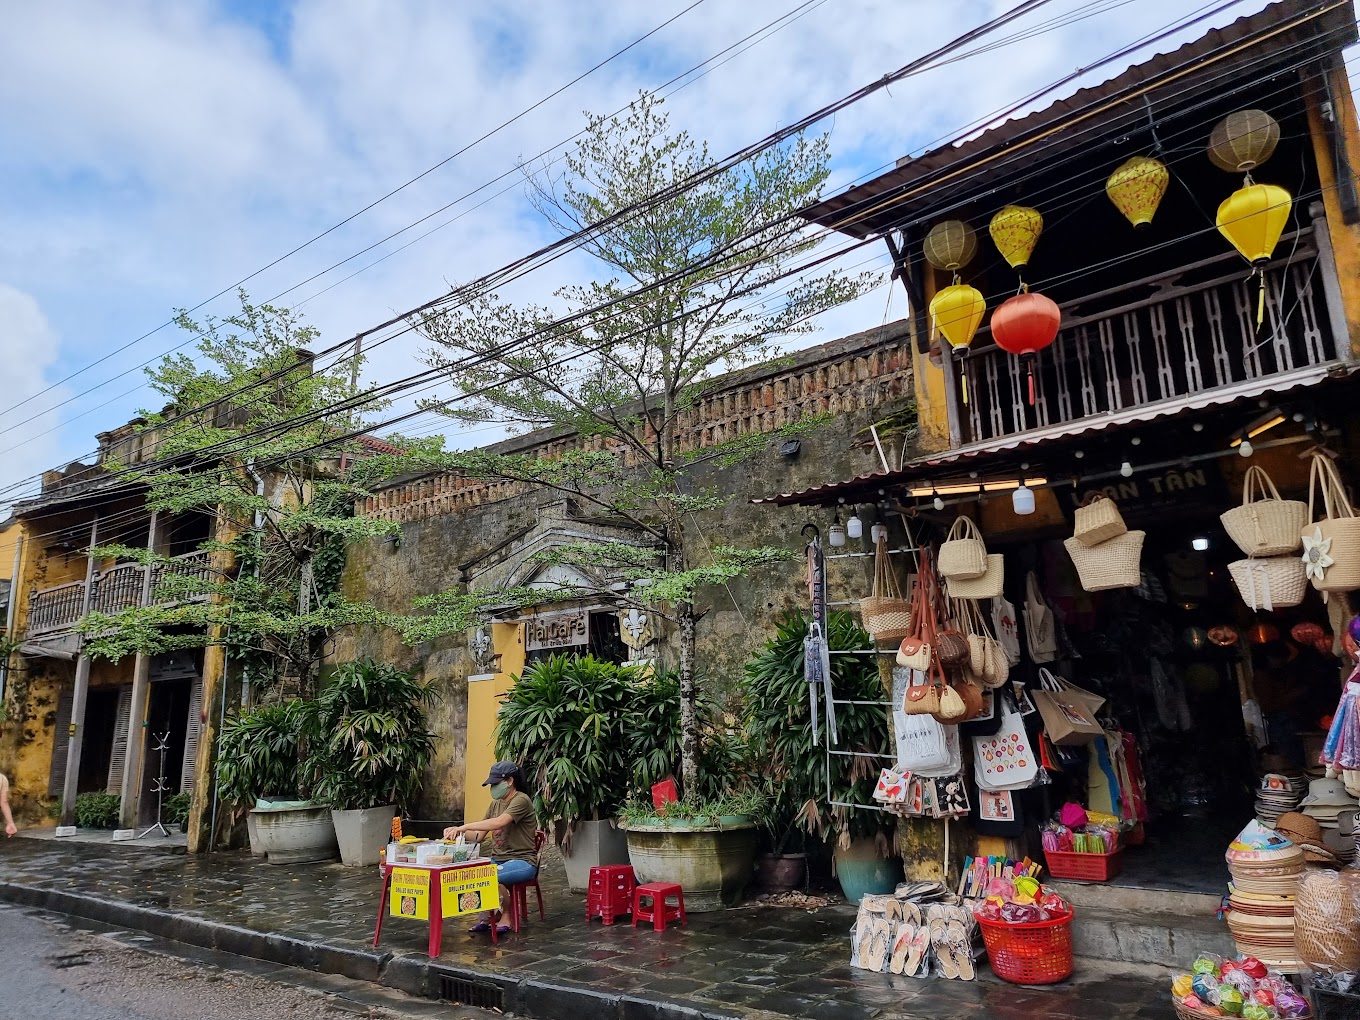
1084,867
1029,954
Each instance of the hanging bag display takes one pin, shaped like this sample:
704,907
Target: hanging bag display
1265,524
1112,564
1098,520
1331,546
986,586
963,554
1068,711
886,614
1270,583
1041,632
952,708
917,650
1007,759
1006,627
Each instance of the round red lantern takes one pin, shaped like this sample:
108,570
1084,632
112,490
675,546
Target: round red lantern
1024,325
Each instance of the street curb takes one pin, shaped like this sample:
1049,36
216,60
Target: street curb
415,974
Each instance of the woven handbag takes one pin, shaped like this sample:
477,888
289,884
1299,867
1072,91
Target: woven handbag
886,614
1336,537
917,650
952,708
988,586
1112,564
1270,582
1098,520
922,699
963,554
1265,524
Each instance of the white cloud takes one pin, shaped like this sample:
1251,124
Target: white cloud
28,349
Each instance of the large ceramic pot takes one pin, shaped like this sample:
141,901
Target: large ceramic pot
712,863
590,845
362,833
295,835
861,870
781,872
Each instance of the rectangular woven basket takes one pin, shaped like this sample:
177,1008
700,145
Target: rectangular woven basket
1112,564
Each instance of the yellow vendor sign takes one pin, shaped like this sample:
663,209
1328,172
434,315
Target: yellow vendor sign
410,897
469,890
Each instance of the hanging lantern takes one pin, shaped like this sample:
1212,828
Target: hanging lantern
1015,231
1244,140
1263,633
950,245
1024,325
1224,635
1136,188
1196,638
957,312
1252,219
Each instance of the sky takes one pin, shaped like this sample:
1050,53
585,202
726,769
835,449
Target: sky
155,152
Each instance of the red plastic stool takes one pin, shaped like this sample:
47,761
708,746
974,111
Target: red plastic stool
658,910
610,892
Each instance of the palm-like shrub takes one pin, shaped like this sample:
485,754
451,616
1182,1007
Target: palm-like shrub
258,754
368,741
779,731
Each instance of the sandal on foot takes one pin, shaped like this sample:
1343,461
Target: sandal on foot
480,928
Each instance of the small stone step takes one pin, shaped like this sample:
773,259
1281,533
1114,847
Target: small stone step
1141,937
1103,896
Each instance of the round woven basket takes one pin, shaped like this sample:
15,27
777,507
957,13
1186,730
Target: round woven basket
1184,1012
1270,583
887,619
1112,564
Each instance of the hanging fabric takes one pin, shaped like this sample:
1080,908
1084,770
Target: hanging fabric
1137,789
1007,628
1041,634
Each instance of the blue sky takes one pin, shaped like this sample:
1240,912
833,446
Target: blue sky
154,151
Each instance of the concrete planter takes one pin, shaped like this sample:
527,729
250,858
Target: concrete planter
593,844
362,833
781,872
712,863
295,835
253,831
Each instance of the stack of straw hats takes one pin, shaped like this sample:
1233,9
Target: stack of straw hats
1278,794
1306,834
1326,799
1265,867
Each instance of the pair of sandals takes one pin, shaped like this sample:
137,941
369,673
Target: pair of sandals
484,928
911,950
953,949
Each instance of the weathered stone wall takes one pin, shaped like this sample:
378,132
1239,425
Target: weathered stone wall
448,521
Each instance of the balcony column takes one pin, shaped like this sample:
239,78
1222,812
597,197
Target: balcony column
131,803
67,823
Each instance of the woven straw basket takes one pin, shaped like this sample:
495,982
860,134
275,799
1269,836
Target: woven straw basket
1098,521
1340,524
1112,564
885,613
1271,582
1265,524
988,586
963,554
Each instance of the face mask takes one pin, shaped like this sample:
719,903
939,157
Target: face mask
499,790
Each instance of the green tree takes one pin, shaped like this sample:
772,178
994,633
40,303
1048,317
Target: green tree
250,437
689,291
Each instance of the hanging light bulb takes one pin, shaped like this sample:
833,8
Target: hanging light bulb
1126,469
1200,544
1022,500
937,502
879,533
854,527
836,534
1245,450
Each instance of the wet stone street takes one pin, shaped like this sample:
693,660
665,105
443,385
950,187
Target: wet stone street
748,961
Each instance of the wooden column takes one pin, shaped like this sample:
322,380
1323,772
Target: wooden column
131,793
78,699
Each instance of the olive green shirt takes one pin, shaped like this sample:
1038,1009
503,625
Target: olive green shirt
516,840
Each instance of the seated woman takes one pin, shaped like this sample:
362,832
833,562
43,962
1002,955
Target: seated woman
511,824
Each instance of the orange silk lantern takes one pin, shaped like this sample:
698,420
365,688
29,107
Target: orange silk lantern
1024,325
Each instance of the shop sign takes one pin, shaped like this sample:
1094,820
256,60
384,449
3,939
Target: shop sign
469,890
410,895
558,630
1156,490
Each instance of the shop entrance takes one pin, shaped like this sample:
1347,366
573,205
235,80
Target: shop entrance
167,712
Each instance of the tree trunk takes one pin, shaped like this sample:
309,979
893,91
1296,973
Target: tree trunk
689,722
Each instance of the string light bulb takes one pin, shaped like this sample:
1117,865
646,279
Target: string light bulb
937,502
836,534
1245,449
1022,500
1126,469
854,527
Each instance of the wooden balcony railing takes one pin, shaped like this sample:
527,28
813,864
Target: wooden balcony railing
1165,339
118,588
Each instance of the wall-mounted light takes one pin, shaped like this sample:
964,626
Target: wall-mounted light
1264,424
836,533
1022,501
1200,544
790,448
854,527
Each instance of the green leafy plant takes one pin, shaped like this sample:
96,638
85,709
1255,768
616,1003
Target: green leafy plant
778,725
259,752
177,808
369,742
97,810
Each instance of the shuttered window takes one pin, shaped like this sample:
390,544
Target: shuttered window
118,752
61,742
191,732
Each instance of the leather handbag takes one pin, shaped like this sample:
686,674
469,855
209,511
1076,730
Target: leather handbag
917,650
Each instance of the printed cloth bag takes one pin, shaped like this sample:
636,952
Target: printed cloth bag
1041,632
1006,626
1007,760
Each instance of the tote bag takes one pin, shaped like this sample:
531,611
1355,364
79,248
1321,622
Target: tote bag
1331,546
1007,628
1041,633
1006,760
1068,712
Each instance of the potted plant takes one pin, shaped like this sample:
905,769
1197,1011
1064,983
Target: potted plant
705,842
368,753
258,772
778,725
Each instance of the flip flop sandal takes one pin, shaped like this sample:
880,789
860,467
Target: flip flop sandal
912,913
893,910
480,928
939,942
878,947
863,943
901,947
962,950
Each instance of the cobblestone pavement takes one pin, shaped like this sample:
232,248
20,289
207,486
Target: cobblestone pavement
753,959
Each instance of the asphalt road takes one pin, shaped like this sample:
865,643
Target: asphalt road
48,969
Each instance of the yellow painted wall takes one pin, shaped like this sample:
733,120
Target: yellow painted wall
1345,238
932,407
484,701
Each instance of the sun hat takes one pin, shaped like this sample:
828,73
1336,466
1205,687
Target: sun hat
1299,828
1328,793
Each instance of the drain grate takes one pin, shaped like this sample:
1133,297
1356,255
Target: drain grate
467,992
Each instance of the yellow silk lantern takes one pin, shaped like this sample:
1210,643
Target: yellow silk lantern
1252,218
957,312
1015,231
950,245
1136,188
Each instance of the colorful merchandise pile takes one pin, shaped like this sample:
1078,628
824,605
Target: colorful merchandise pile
1278,794
1082,845
1265,869
920,930
1026,927
1243,987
